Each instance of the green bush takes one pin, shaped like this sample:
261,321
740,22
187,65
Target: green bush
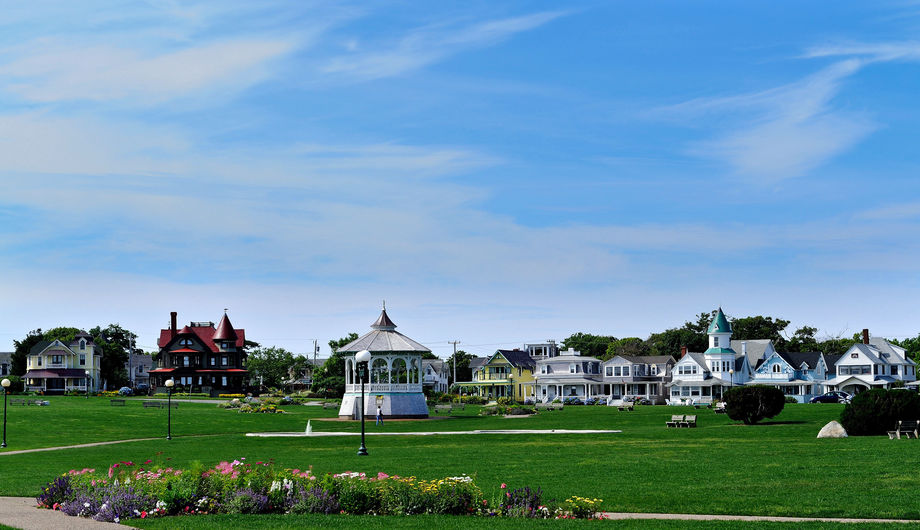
16,384
878,411
505,401
790,399
751,404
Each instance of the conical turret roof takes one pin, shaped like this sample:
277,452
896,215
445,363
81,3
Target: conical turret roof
720,324
225,330
383,322
383,338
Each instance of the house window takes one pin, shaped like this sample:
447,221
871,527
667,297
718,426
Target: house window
82,344
894,370
223,360
39,360
57,359
609,371
223,381
777,368
715,342
654,369
185,360
213,360
82,359
573,368
854,356
616,371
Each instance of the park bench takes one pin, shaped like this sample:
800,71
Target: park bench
442,408
720,408
16,401
159,404
330,405
626,406
458,406
117,402
689,421
676,420
906,429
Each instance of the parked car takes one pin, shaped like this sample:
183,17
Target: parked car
834,396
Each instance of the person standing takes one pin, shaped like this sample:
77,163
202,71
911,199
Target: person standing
379,416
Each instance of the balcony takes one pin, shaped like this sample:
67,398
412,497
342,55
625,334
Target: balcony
371,388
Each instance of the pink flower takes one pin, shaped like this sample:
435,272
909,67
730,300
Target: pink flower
382,475
504,485
143,515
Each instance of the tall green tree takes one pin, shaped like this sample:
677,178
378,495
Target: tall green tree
18,359
464,373
330,378
691,335
912,345
632,346
270,366
588,344
115,342
803,340
760,327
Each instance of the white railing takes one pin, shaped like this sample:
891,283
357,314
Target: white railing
370,388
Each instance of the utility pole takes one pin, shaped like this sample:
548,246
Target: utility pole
313,366
454,342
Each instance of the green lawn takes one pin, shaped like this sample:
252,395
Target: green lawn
776,468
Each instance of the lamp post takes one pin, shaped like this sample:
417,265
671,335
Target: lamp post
87,383
362,358
6,388
731,374
169,386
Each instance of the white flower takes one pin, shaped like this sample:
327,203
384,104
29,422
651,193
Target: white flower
117,519
275,486
86,505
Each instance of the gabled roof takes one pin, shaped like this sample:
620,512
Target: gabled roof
648,359
755,348
897,353
517,358
383,338
698,358
45,344
831,360
719,324
869,352
206,335
796,359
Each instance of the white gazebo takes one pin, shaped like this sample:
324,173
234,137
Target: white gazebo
393,376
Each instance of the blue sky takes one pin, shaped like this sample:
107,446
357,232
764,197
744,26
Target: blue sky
500,173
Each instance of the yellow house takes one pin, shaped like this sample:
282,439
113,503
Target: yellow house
55,367
507,373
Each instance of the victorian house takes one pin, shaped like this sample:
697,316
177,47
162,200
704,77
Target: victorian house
568,375
202,357
638,376
507,373
873,363
55,367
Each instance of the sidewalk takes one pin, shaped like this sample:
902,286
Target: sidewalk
20,512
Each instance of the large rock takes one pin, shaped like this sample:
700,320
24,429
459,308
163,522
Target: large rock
833,430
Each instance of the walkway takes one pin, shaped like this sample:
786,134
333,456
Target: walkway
429,433
20,512
749,518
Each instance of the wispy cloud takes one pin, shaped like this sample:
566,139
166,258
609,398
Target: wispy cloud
424,46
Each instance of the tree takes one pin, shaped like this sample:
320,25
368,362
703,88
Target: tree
803,340
760,327
588,344
464,373
115,343
691,334
751,404
18,359
331,377
912,345
270,366
632,346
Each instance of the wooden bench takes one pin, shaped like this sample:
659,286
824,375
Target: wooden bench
458,406
442,408
117,402
330,405
17,401
720,408
689,421
676,420
160,404
906,429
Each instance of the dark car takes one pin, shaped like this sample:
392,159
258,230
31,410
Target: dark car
834,396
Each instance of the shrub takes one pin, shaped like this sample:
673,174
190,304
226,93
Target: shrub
504,401
878,411
751,404
790,399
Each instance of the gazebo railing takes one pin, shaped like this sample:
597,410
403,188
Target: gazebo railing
370,388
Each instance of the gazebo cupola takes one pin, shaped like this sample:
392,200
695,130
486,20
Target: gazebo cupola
393,379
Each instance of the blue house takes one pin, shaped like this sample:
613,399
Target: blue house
799,375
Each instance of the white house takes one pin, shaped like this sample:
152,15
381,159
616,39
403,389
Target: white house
874,363
434,374
638,376
568,375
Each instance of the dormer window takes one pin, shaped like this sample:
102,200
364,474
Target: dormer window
185,342
777,368
82,344
715,342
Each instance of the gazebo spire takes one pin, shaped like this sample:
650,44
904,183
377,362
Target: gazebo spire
383,321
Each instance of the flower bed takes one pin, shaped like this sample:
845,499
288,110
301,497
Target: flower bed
128,490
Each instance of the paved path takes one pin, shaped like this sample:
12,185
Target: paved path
428,433
20,512
749,518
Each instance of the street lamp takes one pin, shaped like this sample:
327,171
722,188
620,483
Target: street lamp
6,388
86,384
731,374
362,358
169,386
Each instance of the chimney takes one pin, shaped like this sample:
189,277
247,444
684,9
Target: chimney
172,324
683,351
865,336
744,348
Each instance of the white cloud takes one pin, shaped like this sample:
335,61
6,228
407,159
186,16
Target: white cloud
107,73
428,45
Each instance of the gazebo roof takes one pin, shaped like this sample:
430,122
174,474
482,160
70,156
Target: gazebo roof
383,338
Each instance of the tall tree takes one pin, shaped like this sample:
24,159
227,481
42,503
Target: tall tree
691,335
803,340
270,366
18,359
331,377
115,342
464,373
588,344
632,346
912,345
760,327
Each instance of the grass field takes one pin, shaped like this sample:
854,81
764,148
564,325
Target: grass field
775,468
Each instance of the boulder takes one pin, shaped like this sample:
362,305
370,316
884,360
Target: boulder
833,430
